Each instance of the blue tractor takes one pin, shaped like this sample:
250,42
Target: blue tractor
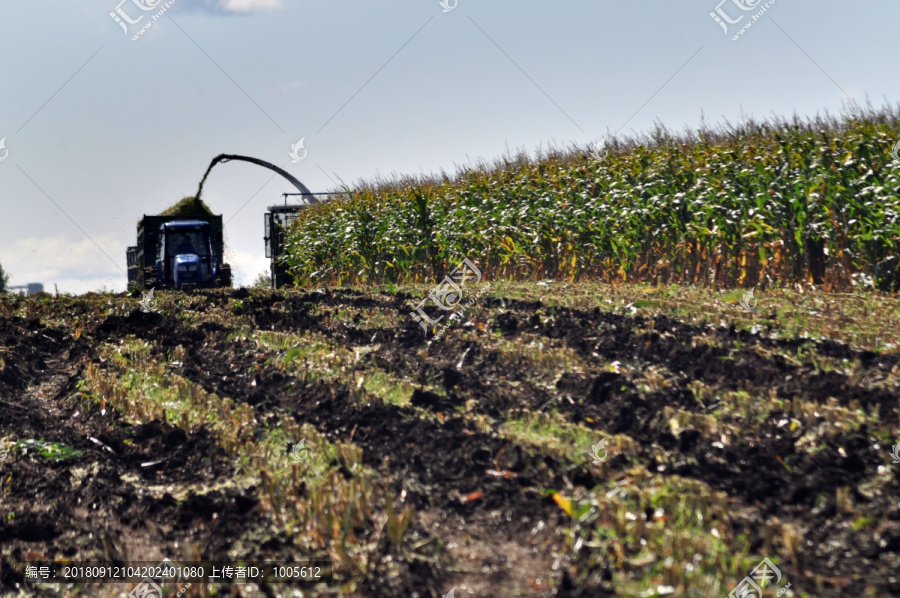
178,253
185,257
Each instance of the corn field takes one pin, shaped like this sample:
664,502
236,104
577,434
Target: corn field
759,203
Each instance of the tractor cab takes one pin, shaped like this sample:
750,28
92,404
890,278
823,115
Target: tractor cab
185,256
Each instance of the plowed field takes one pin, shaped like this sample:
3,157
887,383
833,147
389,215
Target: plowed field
537,448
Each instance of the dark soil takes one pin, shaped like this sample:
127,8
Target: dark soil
482,497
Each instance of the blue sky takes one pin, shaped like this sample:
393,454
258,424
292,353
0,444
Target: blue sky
101,128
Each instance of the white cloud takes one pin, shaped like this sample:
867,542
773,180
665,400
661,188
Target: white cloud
250,5
73,265
230,7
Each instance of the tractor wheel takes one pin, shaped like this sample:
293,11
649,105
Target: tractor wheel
225,276
150,279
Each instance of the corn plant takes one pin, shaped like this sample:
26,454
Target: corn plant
759,203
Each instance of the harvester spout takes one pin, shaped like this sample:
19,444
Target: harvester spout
307,194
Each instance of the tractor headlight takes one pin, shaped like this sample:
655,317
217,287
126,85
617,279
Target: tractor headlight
182,268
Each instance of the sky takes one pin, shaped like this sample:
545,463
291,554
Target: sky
113,109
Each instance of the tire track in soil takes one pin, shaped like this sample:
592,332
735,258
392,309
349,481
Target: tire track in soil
41,367
82,507
597,395
611,337
667,344
750,472
510,531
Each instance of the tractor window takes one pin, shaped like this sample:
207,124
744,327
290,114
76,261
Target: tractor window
180,243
